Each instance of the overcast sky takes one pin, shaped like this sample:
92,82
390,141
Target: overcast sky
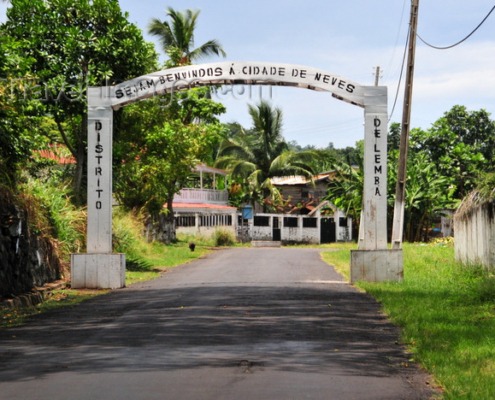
346,38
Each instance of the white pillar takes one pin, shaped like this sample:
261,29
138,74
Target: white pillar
375,170
99,268
374,261
99,238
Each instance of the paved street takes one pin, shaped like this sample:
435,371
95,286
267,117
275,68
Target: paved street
262,324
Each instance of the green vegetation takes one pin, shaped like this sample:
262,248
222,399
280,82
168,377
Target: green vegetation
55,214
447,315
168,136
224,237
255,156
63,47
146,260
59,299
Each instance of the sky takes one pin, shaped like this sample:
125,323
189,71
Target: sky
350,39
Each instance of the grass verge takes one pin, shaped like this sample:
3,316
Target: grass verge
447,315
145,261
59,298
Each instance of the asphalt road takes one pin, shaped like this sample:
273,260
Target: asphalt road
240,324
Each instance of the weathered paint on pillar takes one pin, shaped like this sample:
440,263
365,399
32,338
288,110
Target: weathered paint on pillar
99,240
373,261
374,221
99,268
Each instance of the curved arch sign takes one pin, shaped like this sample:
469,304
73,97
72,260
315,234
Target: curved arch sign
247,73
99,268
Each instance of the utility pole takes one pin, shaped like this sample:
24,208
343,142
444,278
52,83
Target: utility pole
398,221
377,75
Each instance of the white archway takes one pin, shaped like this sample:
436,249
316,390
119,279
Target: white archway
99,268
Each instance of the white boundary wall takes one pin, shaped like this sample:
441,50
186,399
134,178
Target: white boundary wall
475,236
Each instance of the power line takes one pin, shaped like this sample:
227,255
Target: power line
389,67
400,78
460,41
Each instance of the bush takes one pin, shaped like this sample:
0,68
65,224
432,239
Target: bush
128,239
56,214
224,238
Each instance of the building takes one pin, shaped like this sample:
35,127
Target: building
204,208
303,194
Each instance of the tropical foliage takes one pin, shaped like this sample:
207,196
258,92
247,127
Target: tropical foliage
444,163
156,162
177,38
62,47
253,157
168,136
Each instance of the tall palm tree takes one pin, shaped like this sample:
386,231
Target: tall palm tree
255,156
177,38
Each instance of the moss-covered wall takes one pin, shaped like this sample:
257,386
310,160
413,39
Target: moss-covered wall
27,258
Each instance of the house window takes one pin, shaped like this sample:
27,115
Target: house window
261,221
290,222
310,222
343,222
185,221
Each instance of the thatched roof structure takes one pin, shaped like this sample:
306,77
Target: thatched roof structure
473,202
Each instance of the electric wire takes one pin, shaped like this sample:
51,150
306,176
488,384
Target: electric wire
389,67
400,76
460,41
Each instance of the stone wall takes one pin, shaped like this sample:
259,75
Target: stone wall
27,259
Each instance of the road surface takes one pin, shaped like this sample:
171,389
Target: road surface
250,323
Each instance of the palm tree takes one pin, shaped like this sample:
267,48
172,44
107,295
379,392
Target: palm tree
177,38
255,156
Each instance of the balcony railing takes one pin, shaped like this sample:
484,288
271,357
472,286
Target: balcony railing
208,196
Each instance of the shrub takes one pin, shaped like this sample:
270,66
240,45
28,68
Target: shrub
224,238
56,213
127,238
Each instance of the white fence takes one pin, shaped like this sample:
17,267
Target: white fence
209,196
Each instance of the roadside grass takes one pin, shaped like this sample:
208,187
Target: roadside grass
447,315
145,261
59,298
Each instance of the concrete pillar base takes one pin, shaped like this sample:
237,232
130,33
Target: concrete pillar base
97,271
377,265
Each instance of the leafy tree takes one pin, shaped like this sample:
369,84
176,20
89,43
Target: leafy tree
255,156
475,129
72,45
460,144
394,133
156,167
346,190
22,123
177,38
172,136
427,193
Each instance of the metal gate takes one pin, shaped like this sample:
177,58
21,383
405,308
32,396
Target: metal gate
276,230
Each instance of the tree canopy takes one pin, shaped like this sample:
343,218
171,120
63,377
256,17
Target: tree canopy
67,46
254,156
